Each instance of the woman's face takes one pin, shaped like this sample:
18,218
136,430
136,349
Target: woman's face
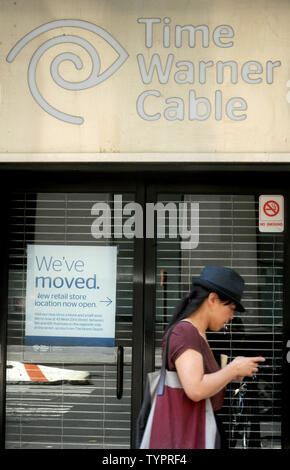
220,313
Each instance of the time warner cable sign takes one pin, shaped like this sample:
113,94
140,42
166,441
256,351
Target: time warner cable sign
151,103
71,295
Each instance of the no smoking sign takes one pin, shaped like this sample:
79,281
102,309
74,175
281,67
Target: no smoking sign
271,213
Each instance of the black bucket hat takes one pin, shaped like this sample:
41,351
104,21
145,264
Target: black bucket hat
224,281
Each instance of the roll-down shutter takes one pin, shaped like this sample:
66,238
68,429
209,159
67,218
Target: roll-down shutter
70,414
228,235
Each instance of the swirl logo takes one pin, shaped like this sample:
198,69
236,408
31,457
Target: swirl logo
95,76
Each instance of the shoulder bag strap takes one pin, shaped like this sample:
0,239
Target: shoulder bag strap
164,364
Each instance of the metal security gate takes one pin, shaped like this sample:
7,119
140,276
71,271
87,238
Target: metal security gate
225,232
99,412
58,396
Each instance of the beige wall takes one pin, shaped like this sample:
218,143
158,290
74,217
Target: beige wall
109,109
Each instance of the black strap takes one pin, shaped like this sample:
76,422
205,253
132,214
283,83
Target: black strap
165,361
164,364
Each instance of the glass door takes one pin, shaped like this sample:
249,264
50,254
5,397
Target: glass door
61,395
210,228
69,390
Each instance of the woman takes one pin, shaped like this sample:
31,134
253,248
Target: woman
211,304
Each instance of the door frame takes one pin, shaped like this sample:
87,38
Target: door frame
65,183
144,181
208,184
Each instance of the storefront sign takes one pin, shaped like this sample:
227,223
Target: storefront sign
70,295
271,213
195,78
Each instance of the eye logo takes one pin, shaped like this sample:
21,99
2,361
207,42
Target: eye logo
95,77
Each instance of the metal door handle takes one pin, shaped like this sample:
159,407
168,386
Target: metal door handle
120,365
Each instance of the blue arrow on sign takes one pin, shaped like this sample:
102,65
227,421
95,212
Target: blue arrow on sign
108,301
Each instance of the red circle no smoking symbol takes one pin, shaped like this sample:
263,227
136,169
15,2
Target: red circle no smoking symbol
271,208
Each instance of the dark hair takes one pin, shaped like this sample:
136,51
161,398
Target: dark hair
191,302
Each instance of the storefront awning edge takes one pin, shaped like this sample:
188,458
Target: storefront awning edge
145,157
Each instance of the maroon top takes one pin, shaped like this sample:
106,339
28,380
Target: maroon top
186,336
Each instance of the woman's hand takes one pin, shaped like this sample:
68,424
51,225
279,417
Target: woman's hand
246,366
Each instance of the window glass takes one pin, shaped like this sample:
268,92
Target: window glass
62,396
227,234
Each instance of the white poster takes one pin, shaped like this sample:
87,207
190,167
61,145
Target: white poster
71,295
